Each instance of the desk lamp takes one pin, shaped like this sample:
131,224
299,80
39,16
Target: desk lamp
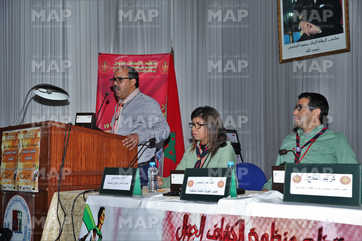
46,91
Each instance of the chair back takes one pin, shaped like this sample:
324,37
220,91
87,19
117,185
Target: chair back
250,176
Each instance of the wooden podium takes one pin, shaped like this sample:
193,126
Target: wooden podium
88,153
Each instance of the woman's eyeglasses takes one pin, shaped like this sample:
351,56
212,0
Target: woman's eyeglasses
197,125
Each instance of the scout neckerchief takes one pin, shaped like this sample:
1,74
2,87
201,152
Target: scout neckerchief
311,141
201,154
120,108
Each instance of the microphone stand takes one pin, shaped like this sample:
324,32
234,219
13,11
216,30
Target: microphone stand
151,143
136,157
96,127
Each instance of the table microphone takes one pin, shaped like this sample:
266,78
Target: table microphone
283,152
107,93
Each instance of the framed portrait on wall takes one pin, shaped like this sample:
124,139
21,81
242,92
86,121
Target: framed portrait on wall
312,28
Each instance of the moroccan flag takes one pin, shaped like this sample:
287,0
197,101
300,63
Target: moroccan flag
175,148
158,80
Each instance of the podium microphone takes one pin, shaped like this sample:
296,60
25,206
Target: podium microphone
107,93
283,152
152,144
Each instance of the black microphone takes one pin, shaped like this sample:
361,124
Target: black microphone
151,144
107,93
283,152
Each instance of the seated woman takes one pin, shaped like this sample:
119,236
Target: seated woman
209,148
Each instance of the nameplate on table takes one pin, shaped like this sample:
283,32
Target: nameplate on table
206,184
323,183
120,181
278,174
176,180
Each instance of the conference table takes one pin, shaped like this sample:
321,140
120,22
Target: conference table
253,216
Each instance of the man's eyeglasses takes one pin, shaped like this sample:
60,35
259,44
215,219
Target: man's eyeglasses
299,107
119,80
197,125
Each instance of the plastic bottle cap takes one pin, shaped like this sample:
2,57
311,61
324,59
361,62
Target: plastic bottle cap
230,164
152,164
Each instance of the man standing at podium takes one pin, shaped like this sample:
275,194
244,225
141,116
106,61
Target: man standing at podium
313,142
138,117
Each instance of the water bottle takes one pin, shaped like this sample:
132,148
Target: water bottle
152,178
233,192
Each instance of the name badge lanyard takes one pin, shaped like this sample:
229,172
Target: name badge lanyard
118,112
311,141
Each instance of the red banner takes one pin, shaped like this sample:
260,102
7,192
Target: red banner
157,80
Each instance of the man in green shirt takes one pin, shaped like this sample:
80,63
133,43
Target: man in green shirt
313,142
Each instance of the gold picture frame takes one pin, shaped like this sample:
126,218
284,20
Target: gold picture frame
325,24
